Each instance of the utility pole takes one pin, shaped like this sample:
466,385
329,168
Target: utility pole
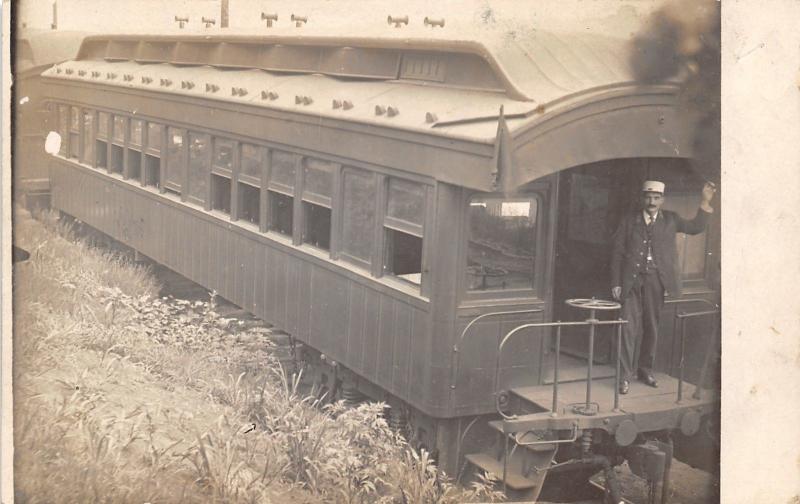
223,18
54,24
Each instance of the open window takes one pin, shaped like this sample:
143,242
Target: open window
221,174
87,156
249,184
101,144
317,190
119,131
175,168
281,192
359,193
502,244
152,157
403,230
199,167
135,149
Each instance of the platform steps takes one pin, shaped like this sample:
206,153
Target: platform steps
523,474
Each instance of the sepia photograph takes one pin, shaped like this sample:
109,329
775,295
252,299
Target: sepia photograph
340,251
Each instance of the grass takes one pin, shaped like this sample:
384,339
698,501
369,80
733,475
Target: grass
123,396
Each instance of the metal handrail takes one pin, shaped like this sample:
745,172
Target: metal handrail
591,322
680,319
456,352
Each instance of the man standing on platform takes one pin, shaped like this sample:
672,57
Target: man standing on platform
644,270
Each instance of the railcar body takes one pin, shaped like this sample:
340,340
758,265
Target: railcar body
375,194
35,51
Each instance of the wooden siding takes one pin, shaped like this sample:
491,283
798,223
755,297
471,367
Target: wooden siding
372,330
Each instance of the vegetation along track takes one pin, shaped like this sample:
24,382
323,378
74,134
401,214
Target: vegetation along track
126,395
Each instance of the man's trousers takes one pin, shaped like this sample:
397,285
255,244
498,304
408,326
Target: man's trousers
642,309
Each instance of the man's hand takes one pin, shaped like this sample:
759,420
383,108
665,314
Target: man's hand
709,189
616,292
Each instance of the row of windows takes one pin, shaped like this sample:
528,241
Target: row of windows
302,198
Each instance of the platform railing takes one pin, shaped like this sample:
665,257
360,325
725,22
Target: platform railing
456,352
588,407
680,324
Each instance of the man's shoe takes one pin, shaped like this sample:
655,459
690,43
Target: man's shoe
624,387
648,379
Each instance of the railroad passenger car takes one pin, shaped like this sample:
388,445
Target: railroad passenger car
400,200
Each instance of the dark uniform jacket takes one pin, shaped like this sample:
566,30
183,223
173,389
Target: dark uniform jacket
629,251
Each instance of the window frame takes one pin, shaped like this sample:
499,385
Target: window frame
114,142
209,158
537,290
339,253
384,222
256,182
165,169
306,196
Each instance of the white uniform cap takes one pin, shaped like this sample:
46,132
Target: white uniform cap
653,186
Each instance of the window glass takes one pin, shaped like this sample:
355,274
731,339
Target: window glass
175,158
74,145
74,119
88,139
406,201
102,124
223,153
63,113
117,154
199,145
101,148
281,213
136,131
691,249
152,171
282,169
502,243
358,213
134,164
251,161
119,128
318,177
154,136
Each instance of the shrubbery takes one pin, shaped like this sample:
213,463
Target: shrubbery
122,396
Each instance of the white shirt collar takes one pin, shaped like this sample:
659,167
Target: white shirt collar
647,216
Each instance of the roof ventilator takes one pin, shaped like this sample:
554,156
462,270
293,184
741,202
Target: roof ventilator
269,18
271,95
342,104
392,111
208,21
111,76
299,20
434,22
397,20
211,88
303,100
147,80
58,70
238,91
182,21
430,117
380,110
69,71
81,73
127,77
95,74
166,82
187,85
